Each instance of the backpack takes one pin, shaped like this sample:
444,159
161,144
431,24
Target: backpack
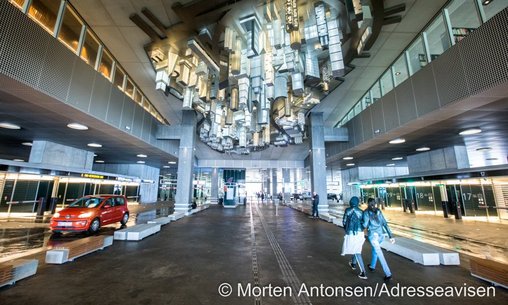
354,223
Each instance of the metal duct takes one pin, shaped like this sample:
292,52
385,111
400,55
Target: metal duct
263,116
185,71
229,39
229,117
242,137
266,135
287,105
235,57
256,73
335,49
297,84
243,92
311,64
322,29
276,37
188,94
281,86
255,139
234,101
295,40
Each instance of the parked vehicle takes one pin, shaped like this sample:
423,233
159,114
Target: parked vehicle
307,195
91,212
332,196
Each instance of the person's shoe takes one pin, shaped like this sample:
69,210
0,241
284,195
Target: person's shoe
387,277
362,276
353,266
371,269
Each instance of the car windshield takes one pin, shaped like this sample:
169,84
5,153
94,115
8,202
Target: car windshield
86,202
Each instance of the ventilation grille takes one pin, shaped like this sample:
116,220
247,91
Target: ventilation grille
450,78
59,64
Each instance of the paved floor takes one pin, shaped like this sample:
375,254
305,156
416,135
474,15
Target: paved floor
189,259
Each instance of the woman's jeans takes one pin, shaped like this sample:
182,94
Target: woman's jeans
375,241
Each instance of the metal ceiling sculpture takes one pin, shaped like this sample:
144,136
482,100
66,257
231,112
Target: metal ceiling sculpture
253,69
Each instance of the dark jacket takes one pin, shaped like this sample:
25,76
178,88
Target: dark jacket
315,199
347,222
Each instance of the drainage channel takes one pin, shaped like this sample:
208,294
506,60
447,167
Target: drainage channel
254,255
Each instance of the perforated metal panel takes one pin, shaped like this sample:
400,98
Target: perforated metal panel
137,123
366,118
147,128
81,85
115,107
425,91
127,115
57,70
378,120
406,104
358,131
390,113
450,78
484,54
22,47
100,96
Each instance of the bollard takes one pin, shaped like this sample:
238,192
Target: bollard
444,206
41,206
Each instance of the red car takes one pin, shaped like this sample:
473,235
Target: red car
91,212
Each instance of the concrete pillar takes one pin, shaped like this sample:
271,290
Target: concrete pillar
183,198
214,192
45,152
274,182
318,160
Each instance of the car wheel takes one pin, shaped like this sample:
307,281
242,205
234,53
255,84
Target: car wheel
125,218
94,226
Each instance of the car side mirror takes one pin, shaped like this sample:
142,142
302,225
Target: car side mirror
107,206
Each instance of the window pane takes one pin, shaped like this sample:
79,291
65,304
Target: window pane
129,88
45,12
137,96
494,7
417,57
400,70
437,38
386,82
358,108
70,30
376,92
18,3
90,49
366,100
463,17
106,64
119,75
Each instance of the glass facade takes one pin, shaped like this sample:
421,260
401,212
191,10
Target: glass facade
386,82
70,31
464,18
437,38
416,56
106,65
44,13
400,71
119,78
90,49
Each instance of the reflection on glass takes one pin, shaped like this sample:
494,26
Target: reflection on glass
45,12
463,17
386,82
375,92
137,96
437,38
70,29
119,76
106,64
90,49
400,70
494,7
417,57
129,88
18,3
358,108
366,101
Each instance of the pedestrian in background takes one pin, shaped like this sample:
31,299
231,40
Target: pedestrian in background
315,203
376,225
354,238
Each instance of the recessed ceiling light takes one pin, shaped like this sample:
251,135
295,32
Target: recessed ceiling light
397,73
77,126
397,141
391,164
171,162
166,166
141,156
347,158
377,131
99,161
397,158
9,125
18,160
95,155
27,143
423,148
491,159
141,162
350,164
483,148
470,131
486,2
94,145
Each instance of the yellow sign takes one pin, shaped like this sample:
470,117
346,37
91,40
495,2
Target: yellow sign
93,176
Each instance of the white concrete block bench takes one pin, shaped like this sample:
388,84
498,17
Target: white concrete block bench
15,270
137,232
338,222
327,217
414,250
77,248
490,271
161,220
200,208
177,215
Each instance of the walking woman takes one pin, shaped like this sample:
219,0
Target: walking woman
375,223
354,239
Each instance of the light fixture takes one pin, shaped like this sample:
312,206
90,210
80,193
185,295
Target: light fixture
77,126
18,160
397,141
491,159
27,143
350,164
397,73
94,145
470,131
347,158
7,125
483,148
377,131
141,162
397,158
99,161
486,2
423,148
171,162
141,156
166,166
390,164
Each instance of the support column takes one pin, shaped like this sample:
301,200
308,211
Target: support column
49,153
214,192
274,182
318,160
183,198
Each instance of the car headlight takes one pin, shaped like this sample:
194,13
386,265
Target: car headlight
85,215
56,215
